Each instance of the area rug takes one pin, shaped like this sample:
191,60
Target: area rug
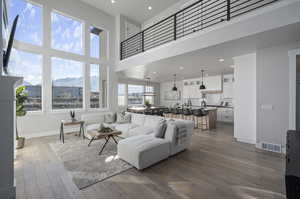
85,165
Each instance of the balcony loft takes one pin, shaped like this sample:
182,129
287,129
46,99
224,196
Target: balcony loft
196,17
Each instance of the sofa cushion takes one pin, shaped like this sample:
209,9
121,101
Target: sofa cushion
153,121
110,118
160,130
123,118
141,130
138,119
143,151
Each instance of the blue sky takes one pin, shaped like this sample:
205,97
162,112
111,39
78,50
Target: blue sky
66,35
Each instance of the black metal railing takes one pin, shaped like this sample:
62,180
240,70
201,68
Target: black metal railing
195,17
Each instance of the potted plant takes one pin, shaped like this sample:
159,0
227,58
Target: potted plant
21,97
147,103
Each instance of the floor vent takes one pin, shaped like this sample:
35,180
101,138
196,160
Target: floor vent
271,147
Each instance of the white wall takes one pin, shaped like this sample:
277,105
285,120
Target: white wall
245,98
273,91
47,121
167,86
166,13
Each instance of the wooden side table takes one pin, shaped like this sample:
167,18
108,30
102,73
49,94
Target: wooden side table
64,123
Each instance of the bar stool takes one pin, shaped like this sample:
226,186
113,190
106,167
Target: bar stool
202,115
179,113
188,115
167,113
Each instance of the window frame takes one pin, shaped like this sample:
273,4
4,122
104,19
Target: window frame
17,42
84,24
143,97
47,52
37,112
83,88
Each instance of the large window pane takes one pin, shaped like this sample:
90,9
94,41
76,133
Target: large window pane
95,42
29,27
94,86
121,94
135,94
66,33
150,99
67,84
29,66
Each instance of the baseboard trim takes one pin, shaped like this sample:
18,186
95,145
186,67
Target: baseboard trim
248,141
50,133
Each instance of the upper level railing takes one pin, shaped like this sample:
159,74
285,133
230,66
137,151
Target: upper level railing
195,17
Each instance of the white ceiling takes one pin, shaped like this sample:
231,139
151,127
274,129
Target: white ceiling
208,59
134,9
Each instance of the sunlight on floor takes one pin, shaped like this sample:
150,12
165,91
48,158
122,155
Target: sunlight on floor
111,158
256,193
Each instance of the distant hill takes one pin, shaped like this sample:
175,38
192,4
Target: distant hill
76,82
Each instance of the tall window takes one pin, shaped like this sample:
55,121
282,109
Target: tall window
30,28
95,42
95,86
66,34
150,99
67,84
121,94
135,94
29,66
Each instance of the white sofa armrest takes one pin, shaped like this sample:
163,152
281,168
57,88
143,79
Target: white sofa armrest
171,136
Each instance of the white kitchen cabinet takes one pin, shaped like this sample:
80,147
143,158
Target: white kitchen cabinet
228,81
213,83
225,115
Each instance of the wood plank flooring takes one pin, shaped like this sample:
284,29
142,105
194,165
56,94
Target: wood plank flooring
215,166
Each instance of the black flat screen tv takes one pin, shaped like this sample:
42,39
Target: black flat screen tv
6,53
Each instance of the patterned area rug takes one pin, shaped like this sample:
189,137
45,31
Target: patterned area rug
85,165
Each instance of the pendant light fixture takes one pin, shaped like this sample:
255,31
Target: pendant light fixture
148,88
202,86
174,86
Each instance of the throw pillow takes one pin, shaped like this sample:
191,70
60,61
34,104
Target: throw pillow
110,118
160,129
123,118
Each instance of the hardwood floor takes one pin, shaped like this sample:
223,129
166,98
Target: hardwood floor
215,166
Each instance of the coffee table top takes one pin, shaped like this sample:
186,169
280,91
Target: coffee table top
99,135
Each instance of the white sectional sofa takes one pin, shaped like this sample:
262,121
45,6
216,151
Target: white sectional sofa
140,147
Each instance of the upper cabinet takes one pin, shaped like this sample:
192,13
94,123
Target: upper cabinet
228,81
191,86
213,84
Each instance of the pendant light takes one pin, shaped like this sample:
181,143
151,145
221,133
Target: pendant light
202,86
174,87
148,90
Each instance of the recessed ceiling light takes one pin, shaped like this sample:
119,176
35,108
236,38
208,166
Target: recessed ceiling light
113,1
181,67
221,60
154,72
149,7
